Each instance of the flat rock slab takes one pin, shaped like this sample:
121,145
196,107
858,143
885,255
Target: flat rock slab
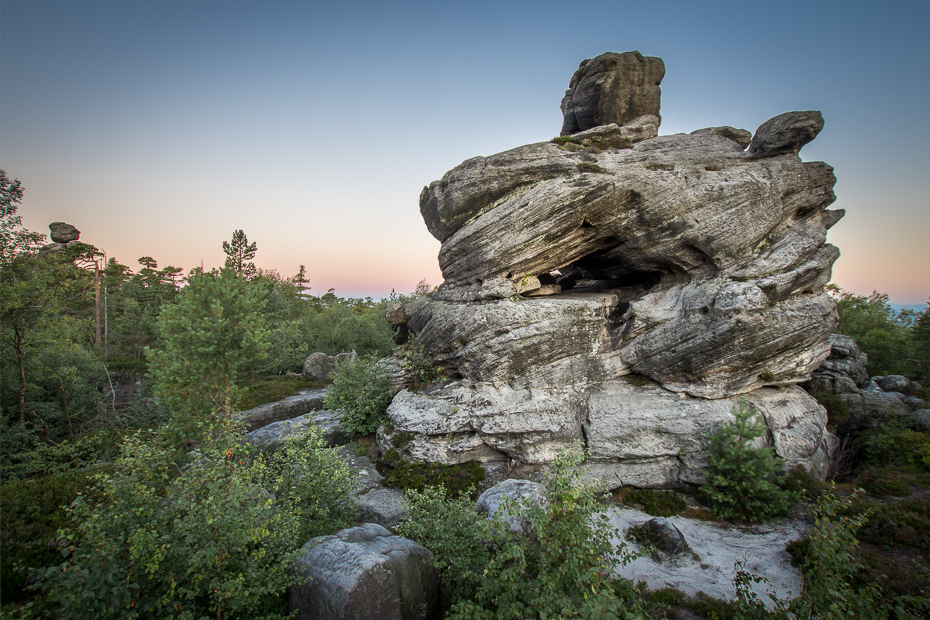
715,548
273,437
286,409
386,507
369,478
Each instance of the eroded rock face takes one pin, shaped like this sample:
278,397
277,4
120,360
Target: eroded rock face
612,88
695,262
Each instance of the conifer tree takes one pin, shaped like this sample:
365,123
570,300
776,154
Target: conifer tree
239,255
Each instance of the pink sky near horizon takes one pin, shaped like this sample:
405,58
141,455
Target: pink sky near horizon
159,128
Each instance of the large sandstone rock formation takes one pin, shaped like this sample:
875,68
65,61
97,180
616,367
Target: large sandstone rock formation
693,265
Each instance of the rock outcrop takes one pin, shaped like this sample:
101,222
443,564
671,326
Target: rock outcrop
694,264
63,233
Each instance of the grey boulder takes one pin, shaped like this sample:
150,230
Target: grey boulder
523,494
386,507
673,541
785,133
63,233
364,573
273,437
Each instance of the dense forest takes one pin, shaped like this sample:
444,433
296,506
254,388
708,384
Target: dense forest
110,385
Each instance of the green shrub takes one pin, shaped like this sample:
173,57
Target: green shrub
456,479
215,538
884,482
742,479
891,443
827,561
32,511
837,412
457,534
564,569
657,503
418,369
362,392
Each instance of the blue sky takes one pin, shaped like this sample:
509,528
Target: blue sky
159,128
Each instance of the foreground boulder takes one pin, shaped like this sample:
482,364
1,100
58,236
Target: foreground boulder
365,573
690,264
522,493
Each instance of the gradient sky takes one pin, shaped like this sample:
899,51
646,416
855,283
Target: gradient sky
160,127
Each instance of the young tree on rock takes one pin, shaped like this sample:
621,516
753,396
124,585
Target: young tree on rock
239,255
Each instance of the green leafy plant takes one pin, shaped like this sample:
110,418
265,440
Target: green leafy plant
361,390
742,480
215,538
563,570
827,561
418,369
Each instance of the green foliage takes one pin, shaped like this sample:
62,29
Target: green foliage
645,537
892,444
362,392
14,239
827,559
742,480
271,390
562,571
32,511
212,331
656,503
456,479
837,412
239,255
418,369
880,332
216,538
457,534
637,380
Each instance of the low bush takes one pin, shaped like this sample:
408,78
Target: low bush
742,480
418,369
657,503
215,538
31,512
362,392
563,570
456,479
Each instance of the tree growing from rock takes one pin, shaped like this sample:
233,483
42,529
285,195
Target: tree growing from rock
239,255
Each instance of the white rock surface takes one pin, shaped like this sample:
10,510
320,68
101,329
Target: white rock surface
715,549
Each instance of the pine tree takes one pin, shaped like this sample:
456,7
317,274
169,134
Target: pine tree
210,334
239,255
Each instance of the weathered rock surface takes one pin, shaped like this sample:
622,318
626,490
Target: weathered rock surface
641,436
690,261
843,371
365,573
386,507
273,437
867,408
286,409
320,367
523,492
63,233
715,548
612,88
